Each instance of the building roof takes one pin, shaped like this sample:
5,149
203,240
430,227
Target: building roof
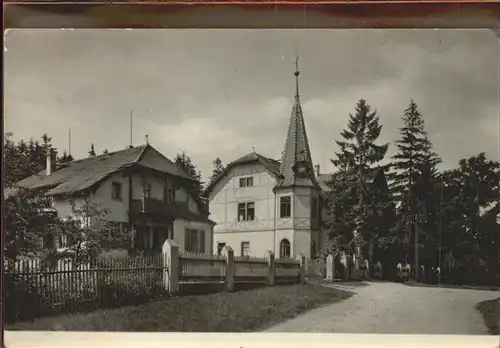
326,180
82,174
270,164
296,149
184,213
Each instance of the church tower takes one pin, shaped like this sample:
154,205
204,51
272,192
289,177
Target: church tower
297,190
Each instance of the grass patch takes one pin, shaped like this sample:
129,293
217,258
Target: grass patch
447,286
242,311
491,313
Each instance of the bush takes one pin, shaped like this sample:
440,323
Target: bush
118,286
22,298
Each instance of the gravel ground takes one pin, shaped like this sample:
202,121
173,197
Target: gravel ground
391,308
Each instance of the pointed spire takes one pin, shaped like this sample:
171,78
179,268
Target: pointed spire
296,163
297,73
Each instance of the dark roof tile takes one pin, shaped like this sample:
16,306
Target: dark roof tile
82,174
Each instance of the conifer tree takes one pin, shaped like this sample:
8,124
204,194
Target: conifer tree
415,166
414,150
184,162
92,150
65,158
218,168
355,205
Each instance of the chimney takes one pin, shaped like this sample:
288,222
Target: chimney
51,161
317,169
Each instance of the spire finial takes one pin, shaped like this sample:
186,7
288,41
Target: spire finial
297,73
147,139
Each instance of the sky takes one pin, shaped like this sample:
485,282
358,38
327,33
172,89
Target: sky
221,93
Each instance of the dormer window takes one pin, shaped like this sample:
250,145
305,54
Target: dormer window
246,182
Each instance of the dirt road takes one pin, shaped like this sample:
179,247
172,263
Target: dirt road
390,308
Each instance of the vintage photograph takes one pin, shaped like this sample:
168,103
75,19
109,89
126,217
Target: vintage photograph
328,181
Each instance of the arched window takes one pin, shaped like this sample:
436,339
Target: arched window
285,249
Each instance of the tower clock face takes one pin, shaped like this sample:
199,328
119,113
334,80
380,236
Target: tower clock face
301,169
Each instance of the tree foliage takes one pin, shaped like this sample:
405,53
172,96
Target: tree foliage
184,162
357,212
29,224
87,233
414,185
92,151
414,152
65,158
455,213
217,170
23,159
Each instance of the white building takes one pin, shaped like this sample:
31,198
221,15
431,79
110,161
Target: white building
261,204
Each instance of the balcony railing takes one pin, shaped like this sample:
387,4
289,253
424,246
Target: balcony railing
153,206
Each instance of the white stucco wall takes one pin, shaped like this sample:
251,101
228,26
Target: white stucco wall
226,195
267,230
302,243
180,226
118,209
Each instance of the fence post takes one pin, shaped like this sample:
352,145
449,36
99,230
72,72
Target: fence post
228,252
271,268
330,268
302,271
171,261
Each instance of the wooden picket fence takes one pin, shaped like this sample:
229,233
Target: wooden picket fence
212,269
35,288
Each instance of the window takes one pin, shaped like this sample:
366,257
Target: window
64,240
168,192
285,249
245,182
195,241
246,211
285,207
116,191
147,191
245,249
314,208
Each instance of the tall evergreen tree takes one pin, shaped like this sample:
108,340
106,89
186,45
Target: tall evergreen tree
415,166
92,150
184,162
414,150
218,168
358,155
358,150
